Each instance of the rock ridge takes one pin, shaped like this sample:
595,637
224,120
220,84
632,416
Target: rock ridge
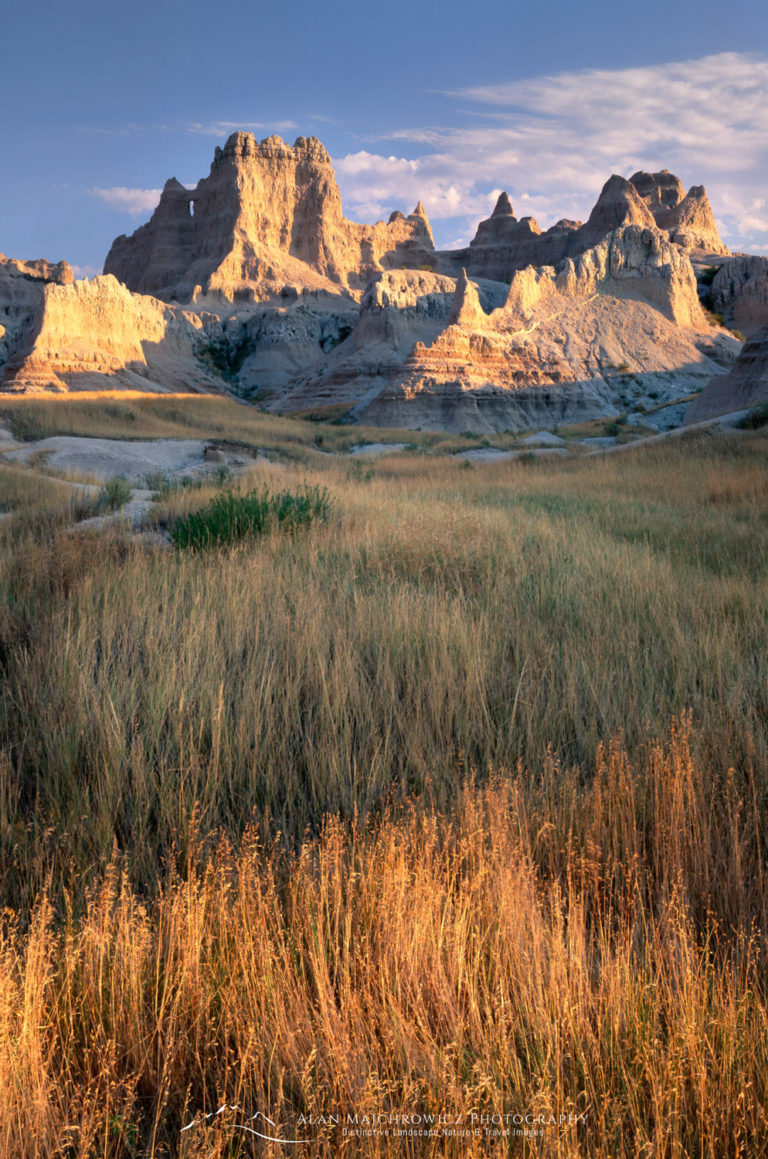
269,216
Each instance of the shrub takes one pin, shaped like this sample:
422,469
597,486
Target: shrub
115,493
614,428
707,276
230,517
361,472
756,418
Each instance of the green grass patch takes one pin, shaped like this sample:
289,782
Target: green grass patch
229,518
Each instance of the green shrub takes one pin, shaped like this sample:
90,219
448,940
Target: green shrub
707,276
230,517
115,493
757,417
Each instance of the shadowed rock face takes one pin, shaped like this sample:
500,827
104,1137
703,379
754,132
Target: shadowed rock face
660,190
746,385
740,293
267,215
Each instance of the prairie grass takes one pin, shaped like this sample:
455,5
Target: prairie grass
147,416
546,948
32,504
457,801
197,416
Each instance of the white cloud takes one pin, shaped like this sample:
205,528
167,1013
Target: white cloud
86,271
133,201
553,141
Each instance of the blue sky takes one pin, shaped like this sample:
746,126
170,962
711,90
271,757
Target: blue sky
448,103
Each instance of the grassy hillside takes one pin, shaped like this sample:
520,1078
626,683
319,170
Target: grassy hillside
455,801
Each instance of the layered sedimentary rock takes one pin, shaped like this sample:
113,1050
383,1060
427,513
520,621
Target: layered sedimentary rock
399,309
634,262
746,385
740,293
687,218
97,335
582,340
21,293
268,215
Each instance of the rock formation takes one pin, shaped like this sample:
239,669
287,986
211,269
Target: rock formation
399,309
619,204
38,269
272,347
633,262
97,335
21,293
255,281
740,293
503,245
687,218
586,339
746,385
267,216
660,191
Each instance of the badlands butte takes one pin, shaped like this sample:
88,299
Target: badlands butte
255,284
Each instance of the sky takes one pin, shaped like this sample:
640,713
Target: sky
448,103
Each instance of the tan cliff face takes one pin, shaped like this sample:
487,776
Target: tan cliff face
22,284
633,262
267,215
97,335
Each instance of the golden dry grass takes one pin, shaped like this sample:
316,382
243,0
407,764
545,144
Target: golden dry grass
455,803
547,948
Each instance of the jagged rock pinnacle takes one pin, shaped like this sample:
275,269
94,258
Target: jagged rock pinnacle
503,207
